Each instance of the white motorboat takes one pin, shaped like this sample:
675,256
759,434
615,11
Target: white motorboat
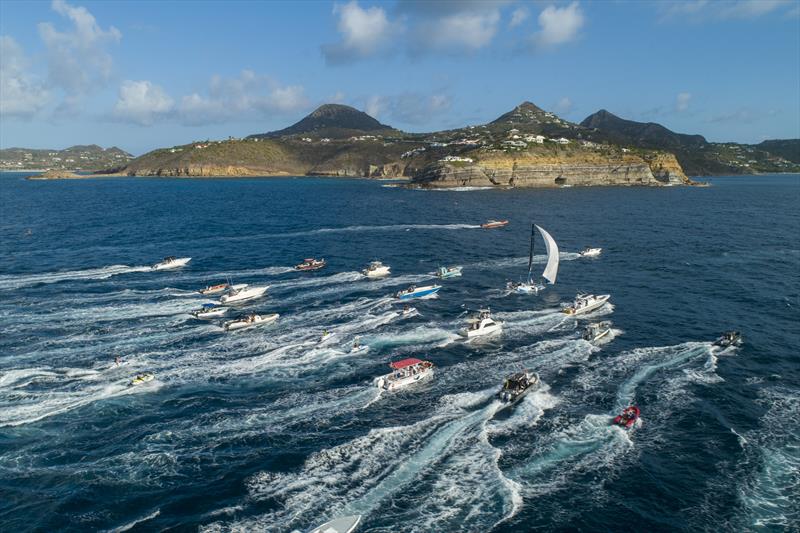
376,269
171,262
310,264
405,372
595,331
550,270
344,524
209,311
481,324
590,252
215,289
249,321
586,303
141,379
448,272
243,293
417,292
516,386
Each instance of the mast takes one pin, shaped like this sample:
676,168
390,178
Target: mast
530,255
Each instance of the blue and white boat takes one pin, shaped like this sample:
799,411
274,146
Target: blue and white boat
417,292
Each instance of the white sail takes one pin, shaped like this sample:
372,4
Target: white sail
551,270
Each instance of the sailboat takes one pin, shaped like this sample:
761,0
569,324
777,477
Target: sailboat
550,270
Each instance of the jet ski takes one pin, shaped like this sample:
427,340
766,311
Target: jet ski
326,336
627,418
408,311
358,347
141,379
729,338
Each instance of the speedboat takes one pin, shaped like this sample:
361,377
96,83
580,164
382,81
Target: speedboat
310,264
417,292
590,252
376,269
586,303
481,324
595,331
491,224
517,385
141,379
448,272
171,262
249,321
243,293
729,338
628,418
209,311
344,524
405,372
215,289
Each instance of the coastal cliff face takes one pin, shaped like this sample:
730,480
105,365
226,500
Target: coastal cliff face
531,171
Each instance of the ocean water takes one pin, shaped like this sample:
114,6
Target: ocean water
266,429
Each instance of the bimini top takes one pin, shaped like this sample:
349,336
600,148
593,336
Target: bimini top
397,365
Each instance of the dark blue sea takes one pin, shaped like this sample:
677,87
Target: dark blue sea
266,429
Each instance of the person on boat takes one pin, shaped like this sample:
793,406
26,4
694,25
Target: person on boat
356,344
117,360
406,308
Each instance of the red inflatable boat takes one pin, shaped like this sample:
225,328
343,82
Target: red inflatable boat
628,417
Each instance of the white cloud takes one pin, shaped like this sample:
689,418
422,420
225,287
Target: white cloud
21,96
250,96
469,30
364,32
698,10
559,25
518,16
563,106
682,102
77,58
142,102
407,108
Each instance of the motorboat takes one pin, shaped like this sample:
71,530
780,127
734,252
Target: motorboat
481,324
491,224
141,379
448,272
376,269
405,372
586,303
344,524
249,321
550,272
417,292
209,311
242,293
408,311
729,338
517,385
168,263
595,331
310,264
358,347
628,418
215,289
590,252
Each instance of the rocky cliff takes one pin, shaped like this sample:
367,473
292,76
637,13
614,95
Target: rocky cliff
526,170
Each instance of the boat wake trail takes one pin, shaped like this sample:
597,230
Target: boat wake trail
394,227
18,281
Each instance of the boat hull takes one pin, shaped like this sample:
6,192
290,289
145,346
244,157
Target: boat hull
216,313
592,252
345,524
489,330
601,300
377,273
177,263
236,325
387,384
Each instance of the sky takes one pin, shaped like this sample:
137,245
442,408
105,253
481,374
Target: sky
146,74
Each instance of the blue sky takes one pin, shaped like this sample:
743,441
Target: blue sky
141,75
